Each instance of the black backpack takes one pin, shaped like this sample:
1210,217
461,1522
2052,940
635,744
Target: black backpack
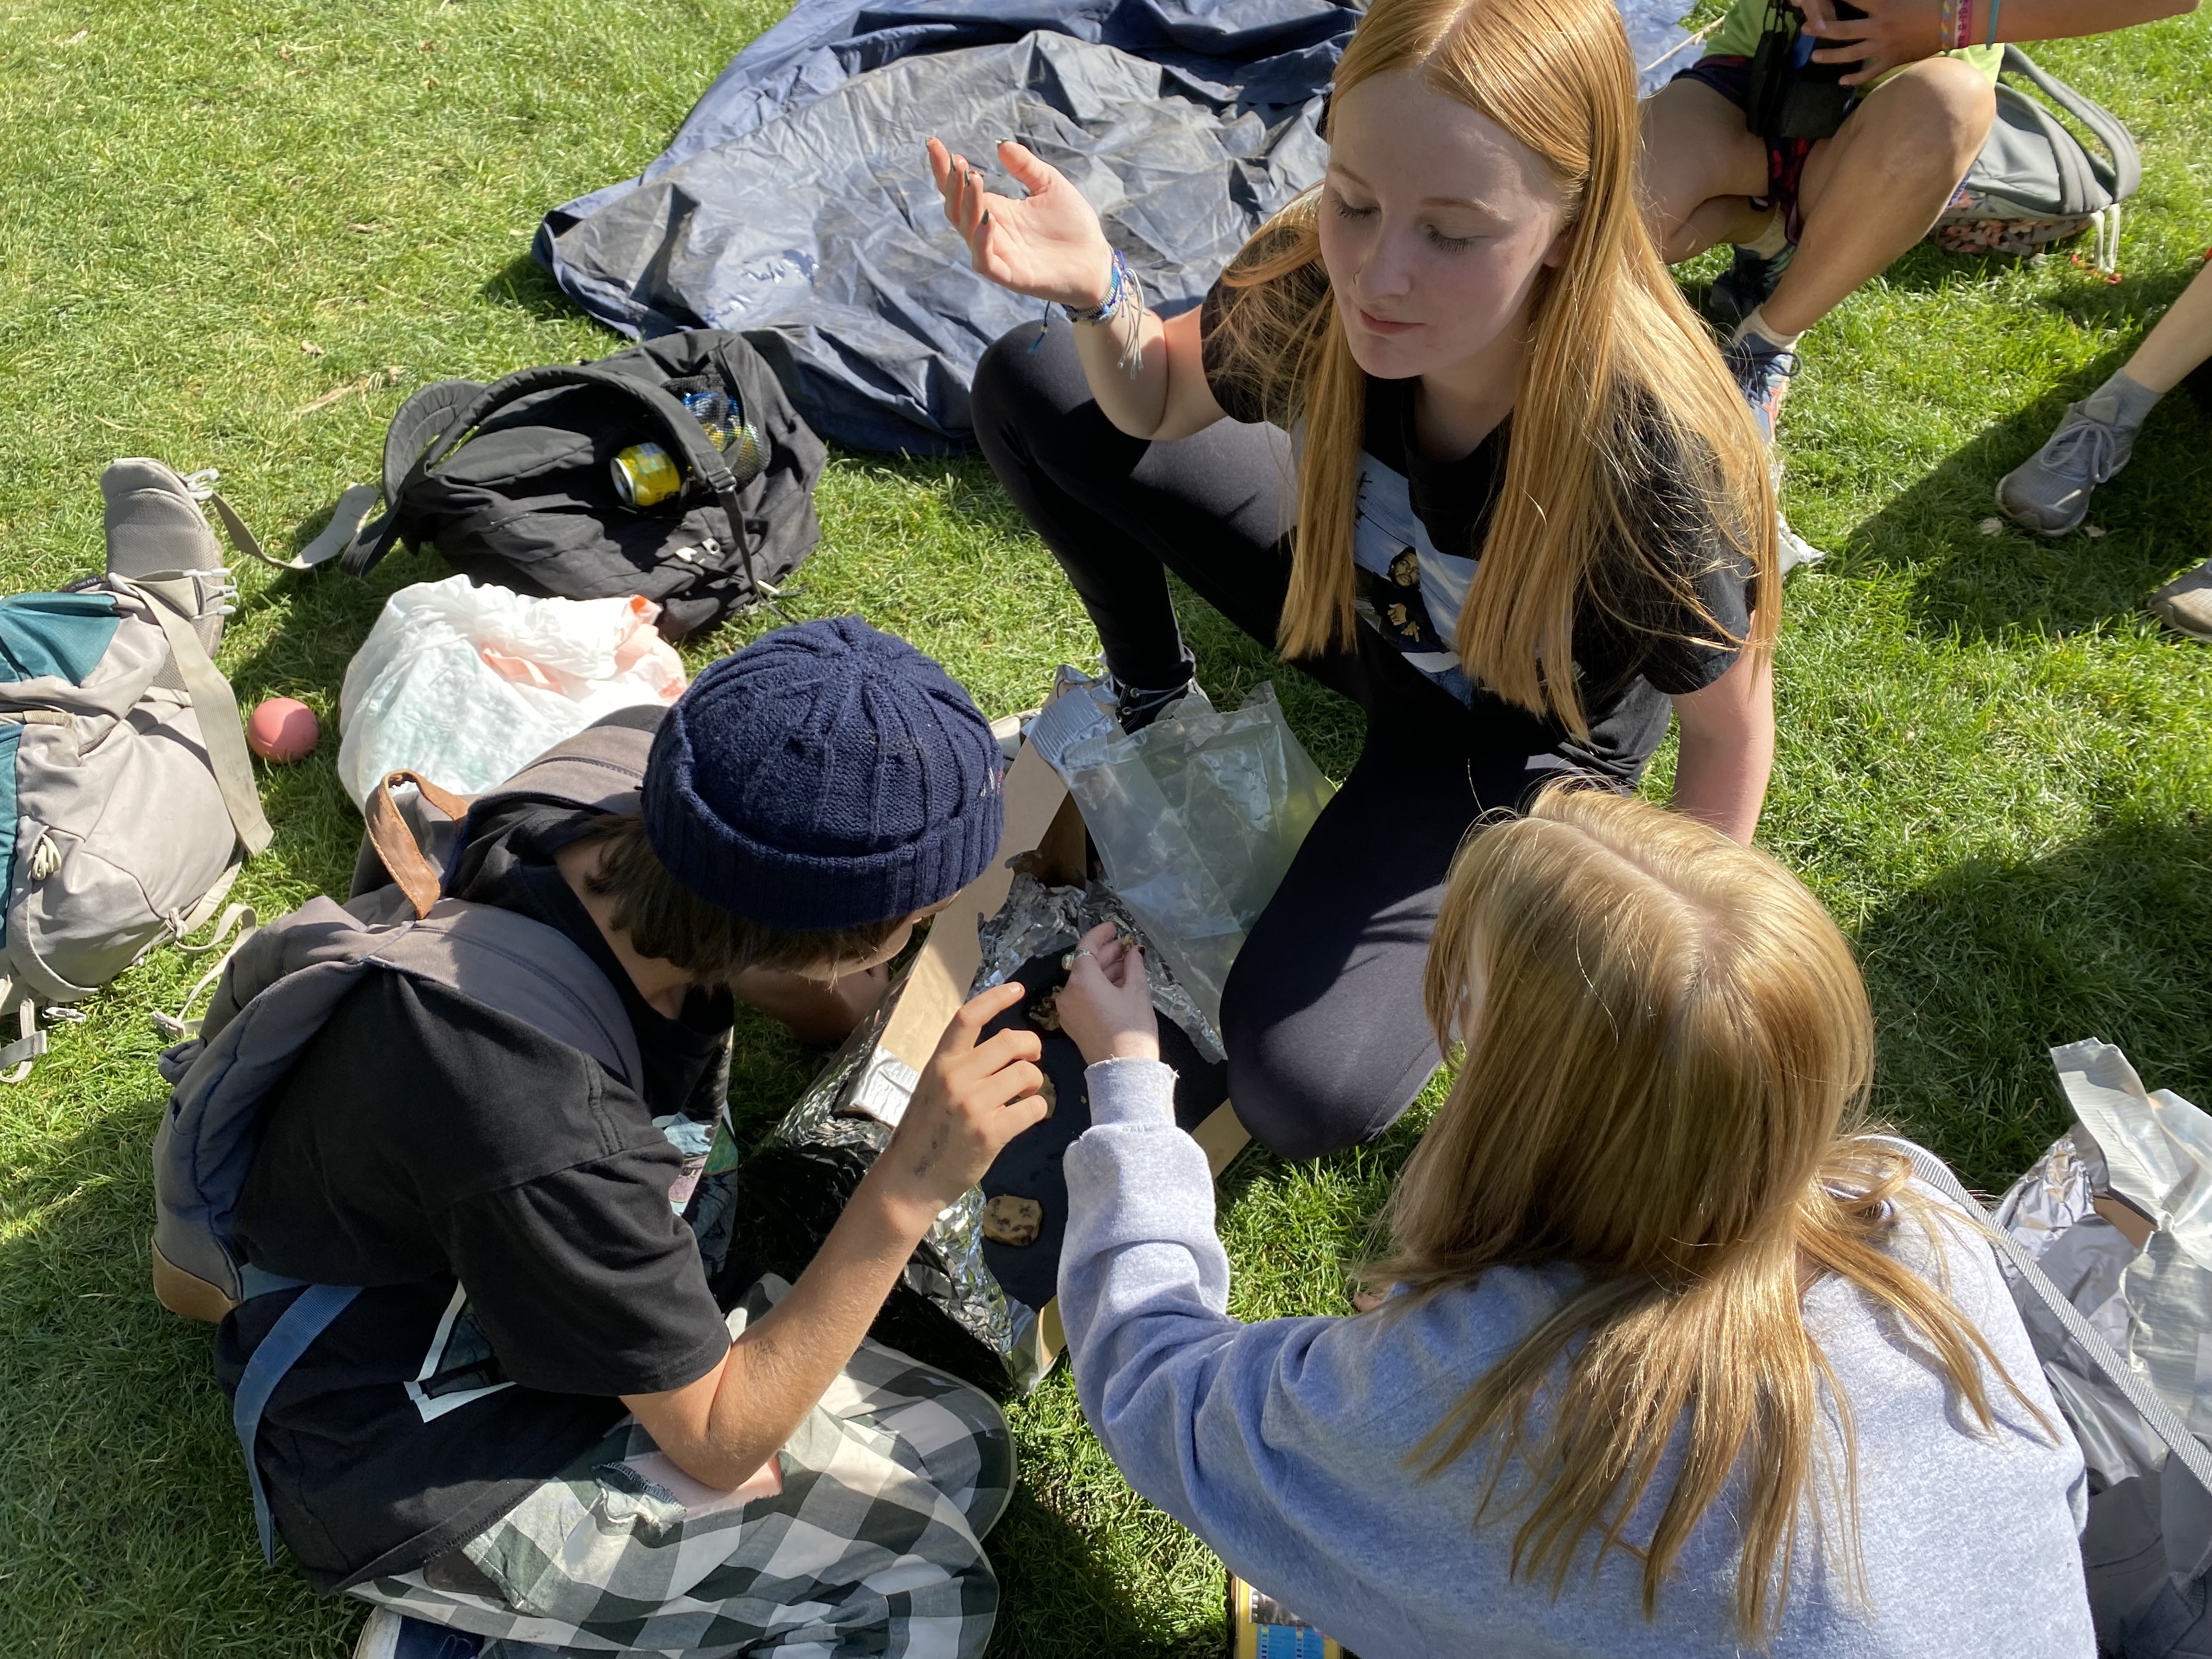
530,501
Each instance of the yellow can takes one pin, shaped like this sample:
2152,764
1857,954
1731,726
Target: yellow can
645,474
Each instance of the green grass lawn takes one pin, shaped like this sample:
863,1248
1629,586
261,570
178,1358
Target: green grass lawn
1996,771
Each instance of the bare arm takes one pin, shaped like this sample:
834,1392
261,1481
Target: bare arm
1047,243
1728,747
974,1098
1895,31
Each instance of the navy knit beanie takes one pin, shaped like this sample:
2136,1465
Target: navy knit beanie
826,776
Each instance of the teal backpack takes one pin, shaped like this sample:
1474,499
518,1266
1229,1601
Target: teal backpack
127,799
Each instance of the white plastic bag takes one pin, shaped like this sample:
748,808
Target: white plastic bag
467,684
1196,818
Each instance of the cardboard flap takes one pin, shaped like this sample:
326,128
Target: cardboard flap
939,981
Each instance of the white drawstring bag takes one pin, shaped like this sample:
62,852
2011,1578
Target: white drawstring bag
466,685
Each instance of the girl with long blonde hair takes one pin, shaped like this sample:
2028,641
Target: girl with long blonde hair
1445,434
1671,1358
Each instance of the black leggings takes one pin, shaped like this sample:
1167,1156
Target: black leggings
1323,1013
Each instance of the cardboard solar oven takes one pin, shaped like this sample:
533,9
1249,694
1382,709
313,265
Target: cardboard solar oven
991,1262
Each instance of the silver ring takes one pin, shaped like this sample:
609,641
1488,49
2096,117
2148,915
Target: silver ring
1079,955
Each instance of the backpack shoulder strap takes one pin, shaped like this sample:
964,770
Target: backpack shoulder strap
2122,174
280,989
2019,1265
444,421
221,733
423,419
599,769
524,969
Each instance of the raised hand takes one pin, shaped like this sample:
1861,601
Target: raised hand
973,1098
1047,244
1107,1004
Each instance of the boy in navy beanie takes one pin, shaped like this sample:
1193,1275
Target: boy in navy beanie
549,1430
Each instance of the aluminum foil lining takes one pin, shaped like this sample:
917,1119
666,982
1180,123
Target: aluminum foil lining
2058,1192
1037,920
862,1093
857,1101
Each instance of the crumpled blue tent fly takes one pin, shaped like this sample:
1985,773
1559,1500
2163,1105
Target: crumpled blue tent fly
795,204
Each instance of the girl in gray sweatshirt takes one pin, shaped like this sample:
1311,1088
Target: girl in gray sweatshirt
1667,1359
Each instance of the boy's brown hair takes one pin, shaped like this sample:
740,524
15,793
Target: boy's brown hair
666,920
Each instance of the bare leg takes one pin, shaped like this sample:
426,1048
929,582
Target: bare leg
1876,188
2182,339
2049,491
1701,168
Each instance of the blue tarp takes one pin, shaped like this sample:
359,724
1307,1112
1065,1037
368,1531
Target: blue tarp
795,203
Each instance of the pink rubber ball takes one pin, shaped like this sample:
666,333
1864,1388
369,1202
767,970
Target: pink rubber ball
282,729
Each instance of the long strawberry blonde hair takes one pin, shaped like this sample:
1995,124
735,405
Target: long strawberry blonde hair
1620,385
1667,1050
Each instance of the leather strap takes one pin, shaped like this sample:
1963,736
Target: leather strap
414,874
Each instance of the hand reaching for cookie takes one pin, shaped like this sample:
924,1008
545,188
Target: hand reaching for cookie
976,1095
1107,1003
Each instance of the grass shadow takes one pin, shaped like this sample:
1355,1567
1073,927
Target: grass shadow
1059,1592
123,1496
1988,586
1977,973
522,284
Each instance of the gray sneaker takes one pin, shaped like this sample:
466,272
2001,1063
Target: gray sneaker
2048,492
2186,602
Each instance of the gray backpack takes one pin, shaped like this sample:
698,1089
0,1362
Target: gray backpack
127,797
2034,183
279,985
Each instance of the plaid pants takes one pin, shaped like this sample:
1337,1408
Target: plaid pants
871,1546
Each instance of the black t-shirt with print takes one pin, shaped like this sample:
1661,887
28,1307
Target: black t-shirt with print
1422,522
506,1202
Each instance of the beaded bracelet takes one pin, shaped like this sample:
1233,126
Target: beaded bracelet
1117,275
1125,296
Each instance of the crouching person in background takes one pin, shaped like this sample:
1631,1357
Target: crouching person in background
538,1428
1669,1358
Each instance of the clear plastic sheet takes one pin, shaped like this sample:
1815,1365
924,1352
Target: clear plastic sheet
1195,818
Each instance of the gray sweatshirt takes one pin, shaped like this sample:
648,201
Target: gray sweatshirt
1283,1445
